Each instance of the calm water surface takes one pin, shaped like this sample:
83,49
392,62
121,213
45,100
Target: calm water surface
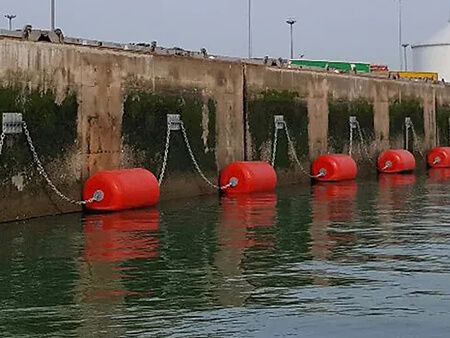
366,259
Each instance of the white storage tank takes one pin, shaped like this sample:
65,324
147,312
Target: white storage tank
434,55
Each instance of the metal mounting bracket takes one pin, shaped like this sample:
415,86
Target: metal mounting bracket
279,121
408,122
353,122
12,123
174,121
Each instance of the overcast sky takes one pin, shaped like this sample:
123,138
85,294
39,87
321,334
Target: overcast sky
359,30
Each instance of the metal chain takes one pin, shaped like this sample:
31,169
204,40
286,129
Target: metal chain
363,145
294,153
197,167
43,173
166,156
350,146
416,141
2,140
274,148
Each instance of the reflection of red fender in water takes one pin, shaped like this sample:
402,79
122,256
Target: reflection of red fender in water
331,202
334,201
244,218
395,180
394,190
438,174
121,236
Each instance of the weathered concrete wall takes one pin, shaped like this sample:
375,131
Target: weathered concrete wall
90,109
100,89
379,104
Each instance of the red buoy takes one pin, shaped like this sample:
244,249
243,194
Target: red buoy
439,157
396,161
247,177
334,167
121,189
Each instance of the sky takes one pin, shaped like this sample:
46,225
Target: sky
356,30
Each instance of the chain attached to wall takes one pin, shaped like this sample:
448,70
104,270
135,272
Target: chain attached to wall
43,173
409,126
363,146
2,140
174,123
353,125
280,124
12,123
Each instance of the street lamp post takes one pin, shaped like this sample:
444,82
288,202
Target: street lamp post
400,35
405,45
291,23
249,29
10,18
52,15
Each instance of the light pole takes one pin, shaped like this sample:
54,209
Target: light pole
10,18
52,15
405,45
400,37
249,29
291,23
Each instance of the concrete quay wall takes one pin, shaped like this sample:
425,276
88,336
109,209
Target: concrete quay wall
90,109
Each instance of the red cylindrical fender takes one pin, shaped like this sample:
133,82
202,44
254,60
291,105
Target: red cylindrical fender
248,177
439,157
121,190
396,161
334,167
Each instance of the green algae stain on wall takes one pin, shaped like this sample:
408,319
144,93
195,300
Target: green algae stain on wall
145,127
398,110
339,128
52,126
261,109
443,125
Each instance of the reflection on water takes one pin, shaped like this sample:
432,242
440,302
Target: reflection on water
111,239
121,236
333,203
345,254
438,175
244,219
245,223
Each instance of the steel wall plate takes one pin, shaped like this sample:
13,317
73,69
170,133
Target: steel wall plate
353,122
174,121
279,121
408,122
12,123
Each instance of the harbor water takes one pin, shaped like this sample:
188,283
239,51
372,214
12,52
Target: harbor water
352,259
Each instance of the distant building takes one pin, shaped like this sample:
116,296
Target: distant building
434,54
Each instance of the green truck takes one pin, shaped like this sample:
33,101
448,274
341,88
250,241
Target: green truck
339,66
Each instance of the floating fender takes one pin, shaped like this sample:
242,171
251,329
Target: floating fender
248,177
439,157
121,190
396,161
334,167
